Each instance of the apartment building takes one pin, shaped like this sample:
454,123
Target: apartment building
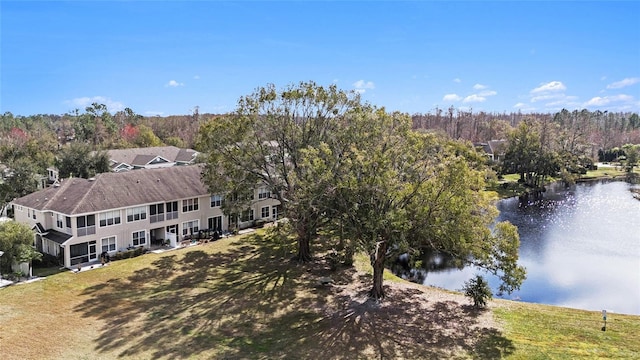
79,219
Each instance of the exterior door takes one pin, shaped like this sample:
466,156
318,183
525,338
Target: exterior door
215,223
93,254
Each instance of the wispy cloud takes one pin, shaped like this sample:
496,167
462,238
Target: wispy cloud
452,97
83,102
481,95
607,100
623,83
457,80
487,93
474,98
173,83
553,86
196,77
362,86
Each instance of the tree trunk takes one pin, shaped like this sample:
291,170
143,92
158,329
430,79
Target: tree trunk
377,261
304,240
304,250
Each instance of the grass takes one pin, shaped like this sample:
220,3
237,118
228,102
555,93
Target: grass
241,298
547,332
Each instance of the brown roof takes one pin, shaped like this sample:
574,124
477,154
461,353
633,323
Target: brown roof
142,156
118,190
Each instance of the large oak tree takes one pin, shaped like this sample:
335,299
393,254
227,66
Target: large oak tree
391,190
260,144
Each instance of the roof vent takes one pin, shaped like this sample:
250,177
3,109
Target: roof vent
137,181
92,179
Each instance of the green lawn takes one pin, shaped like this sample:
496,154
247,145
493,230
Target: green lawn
241,298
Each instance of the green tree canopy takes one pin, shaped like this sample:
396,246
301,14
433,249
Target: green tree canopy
261,144
16,241
78,160
391,190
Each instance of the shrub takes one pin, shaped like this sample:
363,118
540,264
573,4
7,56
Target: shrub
478,290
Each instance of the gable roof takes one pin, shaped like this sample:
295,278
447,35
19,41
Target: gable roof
118,190
142,156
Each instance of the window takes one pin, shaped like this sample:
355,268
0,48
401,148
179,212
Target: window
136,213
265,212
60,221
139,238
216,200
172,210
86,225
156,213
110,218
274,212
264,193
108,244
247,215
68,219
190,227
190,205
33,213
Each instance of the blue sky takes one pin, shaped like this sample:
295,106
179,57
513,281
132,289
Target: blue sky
167,57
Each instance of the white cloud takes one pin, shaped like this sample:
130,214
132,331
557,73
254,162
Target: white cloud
173,83
451,97
553,86
86,101
457,80
487,93
196,77
479,87
474,98
623,83
362,86
523,107
606,100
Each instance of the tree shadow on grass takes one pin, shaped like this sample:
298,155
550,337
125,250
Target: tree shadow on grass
251,302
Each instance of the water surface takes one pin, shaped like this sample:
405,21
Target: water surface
581,248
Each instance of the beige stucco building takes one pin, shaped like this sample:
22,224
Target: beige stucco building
79,219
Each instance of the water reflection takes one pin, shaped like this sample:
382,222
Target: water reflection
581,248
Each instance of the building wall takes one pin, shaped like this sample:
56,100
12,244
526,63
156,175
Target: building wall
119,237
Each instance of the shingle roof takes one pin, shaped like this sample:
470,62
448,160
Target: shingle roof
118,190
57,236
141,156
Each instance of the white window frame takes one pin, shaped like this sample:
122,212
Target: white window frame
251,213
216,200
143,238
87,229
173,214
110,218
137,213
190,205
188,227
111,247
262,212
264,193
60,221
159,215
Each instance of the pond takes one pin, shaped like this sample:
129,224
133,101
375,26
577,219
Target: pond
581,248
